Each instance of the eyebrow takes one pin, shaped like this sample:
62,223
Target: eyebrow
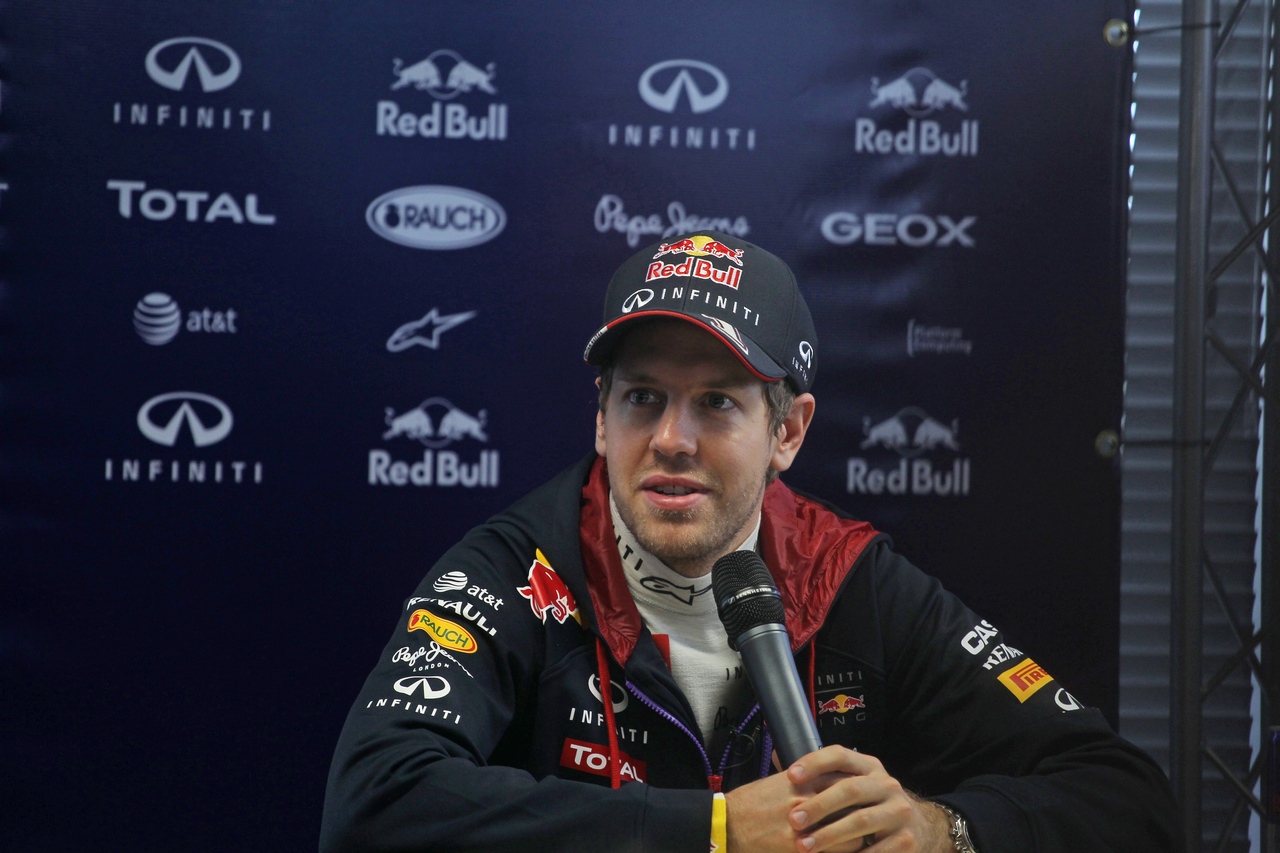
726,382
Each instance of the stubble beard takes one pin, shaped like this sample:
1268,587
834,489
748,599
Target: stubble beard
690,541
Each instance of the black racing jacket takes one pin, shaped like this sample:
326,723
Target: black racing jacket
521,704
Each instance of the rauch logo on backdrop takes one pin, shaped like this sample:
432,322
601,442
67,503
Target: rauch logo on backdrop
191,66
185,419
444,75
435,423
611,215
916,438
436,217
682,87
918,93
158,319
159,205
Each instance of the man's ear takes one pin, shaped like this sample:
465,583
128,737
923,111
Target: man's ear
791,434
599,425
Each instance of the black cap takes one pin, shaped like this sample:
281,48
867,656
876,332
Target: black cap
743,295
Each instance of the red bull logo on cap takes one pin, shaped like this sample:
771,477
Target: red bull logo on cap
547,593
841,704
701,245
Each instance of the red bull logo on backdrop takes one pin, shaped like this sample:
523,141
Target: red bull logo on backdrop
435,423
443,75
916,437
918,93
547,593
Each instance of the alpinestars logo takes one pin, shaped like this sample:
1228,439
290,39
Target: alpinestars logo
444,75
427,331
918,93
191,65
679,87
435,423
188,419
911,433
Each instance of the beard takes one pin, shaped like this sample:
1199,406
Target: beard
690,541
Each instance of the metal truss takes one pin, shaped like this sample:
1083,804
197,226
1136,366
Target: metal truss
1206,39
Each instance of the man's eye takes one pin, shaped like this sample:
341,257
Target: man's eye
640,396
719,401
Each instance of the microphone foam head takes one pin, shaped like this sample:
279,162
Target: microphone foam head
745,595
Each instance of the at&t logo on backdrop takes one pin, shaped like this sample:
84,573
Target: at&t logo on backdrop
436,423
435,217
157,319
918,93
684,89
916,439
192,66
187,420
444,75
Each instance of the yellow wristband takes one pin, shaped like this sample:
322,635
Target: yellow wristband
719,837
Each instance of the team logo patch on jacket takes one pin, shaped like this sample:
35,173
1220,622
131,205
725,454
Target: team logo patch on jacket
547,592
594,758
451,635
1025,679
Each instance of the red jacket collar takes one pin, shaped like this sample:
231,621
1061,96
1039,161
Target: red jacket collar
808,548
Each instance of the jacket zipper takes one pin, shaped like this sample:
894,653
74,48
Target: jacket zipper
714,780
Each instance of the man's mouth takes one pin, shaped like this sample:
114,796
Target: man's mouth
673,494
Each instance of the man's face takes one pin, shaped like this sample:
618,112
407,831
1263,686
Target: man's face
685,433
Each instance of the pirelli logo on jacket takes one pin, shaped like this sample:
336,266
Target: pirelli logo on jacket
1025,679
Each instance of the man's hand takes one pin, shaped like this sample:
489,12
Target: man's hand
833,800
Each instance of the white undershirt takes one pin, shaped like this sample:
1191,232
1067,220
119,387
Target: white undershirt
684,610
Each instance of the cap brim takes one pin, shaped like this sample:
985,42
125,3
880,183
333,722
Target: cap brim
747,351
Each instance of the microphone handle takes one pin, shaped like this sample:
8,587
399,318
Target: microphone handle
766,653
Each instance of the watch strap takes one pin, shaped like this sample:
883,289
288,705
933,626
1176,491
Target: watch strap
958,828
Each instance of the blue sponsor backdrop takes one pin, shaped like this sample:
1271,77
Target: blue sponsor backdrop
294,294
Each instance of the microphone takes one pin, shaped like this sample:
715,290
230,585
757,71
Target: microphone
751,609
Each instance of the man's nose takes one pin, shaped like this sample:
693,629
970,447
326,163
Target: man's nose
676,431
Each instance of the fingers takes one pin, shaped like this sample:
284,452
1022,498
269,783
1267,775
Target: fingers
834,759
857,829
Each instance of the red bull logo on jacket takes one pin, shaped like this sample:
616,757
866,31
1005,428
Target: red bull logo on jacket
842,704
547,593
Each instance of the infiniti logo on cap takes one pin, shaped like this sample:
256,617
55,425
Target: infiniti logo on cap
203,434
639,299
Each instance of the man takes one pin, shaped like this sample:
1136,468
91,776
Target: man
560,679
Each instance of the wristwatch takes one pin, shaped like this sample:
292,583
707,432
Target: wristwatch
959,831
